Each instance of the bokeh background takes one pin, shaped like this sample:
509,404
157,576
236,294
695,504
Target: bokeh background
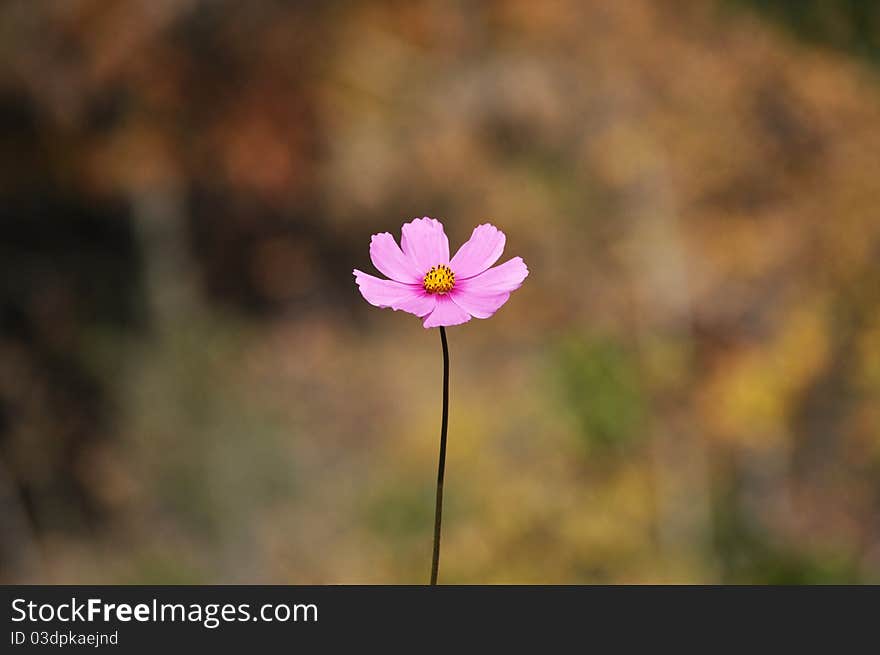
686,389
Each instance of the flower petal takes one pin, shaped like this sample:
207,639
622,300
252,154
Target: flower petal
479,252
425,243
476,304
389,259
396,295
446,313
502,279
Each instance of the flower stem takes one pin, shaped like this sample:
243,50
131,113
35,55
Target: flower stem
441,466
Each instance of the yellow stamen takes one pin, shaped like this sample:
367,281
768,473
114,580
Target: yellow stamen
439,279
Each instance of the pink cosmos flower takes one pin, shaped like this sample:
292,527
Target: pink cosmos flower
426,282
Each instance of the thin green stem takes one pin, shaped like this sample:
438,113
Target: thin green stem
441,466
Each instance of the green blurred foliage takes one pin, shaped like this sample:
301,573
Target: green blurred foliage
849,25
749,553
602,389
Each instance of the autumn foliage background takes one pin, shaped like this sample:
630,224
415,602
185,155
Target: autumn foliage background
686,389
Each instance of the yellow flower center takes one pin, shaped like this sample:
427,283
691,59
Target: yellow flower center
439,279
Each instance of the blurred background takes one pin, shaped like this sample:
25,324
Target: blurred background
686,389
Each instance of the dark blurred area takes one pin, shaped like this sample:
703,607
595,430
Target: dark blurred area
686,389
